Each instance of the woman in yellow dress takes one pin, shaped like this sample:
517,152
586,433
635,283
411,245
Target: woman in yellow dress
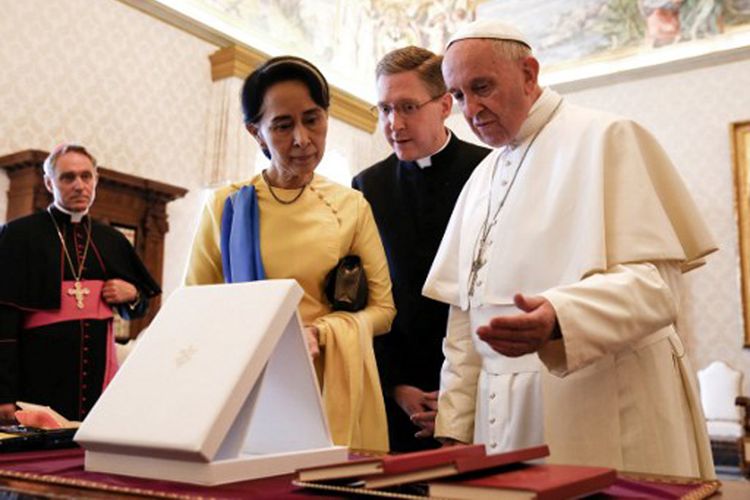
298,225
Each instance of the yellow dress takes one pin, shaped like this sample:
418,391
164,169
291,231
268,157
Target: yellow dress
304,240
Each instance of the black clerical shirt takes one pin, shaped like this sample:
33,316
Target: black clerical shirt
412,206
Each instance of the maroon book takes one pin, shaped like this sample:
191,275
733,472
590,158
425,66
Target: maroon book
541,482
459,465
391,464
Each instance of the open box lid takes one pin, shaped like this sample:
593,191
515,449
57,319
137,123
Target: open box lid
222,371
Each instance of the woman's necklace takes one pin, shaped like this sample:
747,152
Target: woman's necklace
78,290
481,245
276,197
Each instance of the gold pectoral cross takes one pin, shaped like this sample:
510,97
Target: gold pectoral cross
80,292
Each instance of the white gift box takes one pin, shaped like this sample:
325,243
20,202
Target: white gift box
220,388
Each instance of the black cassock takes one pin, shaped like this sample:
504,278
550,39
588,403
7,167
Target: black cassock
412,206
60,364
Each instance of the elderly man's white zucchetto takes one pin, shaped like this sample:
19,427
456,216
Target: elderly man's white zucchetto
489,28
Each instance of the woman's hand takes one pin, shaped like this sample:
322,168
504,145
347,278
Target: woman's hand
312,335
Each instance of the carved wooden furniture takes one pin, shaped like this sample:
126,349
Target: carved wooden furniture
128,202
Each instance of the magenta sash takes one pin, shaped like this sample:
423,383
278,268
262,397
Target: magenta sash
94,307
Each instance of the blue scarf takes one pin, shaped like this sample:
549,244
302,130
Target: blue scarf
240,237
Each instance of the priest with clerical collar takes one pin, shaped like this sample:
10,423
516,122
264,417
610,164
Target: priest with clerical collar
412,193
62,276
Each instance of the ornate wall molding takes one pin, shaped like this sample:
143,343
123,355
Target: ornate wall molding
238,61
235,61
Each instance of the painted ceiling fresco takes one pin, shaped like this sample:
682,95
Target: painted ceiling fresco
346,38
568,31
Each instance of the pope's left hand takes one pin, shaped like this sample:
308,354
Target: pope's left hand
117,291
518,334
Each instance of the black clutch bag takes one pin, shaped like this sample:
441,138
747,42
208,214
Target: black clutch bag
346,285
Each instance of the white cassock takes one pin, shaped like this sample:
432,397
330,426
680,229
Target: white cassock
599,222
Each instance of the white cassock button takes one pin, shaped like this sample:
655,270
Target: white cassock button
504,182
492,396
493,420
493,445
507,163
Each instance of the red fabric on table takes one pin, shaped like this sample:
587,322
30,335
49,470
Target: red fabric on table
65,467
627,488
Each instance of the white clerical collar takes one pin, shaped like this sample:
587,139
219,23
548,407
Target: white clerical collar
427,160
74,216
538,115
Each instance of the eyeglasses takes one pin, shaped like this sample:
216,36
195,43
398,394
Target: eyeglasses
403,108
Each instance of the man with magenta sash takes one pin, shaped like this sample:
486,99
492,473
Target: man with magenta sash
62,276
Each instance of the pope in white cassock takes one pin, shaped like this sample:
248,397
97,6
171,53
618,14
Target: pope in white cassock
563,265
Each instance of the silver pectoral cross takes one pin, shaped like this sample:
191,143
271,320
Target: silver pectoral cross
479,260
476,265
80,292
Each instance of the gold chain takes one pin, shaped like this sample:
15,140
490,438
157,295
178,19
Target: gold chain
76,276
275,197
